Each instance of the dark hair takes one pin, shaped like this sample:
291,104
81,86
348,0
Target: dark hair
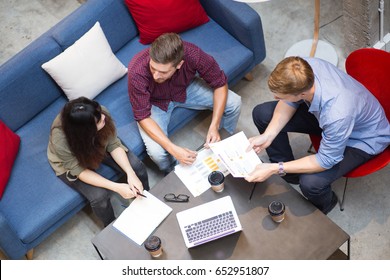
167,48
293,75
79,118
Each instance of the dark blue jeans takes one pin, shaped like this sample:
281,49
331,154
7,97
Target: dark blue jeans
315,186
100,198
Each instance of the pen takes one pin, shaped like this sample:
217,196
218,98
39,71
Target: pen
140,193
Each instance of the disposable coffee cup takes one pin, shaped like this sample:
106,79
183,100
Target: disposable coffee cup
153,246
216,180
277,210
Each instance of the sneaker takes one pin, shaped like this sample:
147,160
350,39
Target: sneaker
333,203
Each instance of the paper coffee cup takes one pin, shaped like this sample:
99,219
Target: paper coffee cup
276,210
216,180
153,246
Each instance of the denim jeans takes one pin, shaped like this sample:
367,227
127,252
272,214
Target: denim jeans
315,186
199,97
100,198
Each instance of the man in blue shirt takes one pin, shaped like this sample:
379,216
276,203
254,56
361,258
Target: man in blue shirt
315,97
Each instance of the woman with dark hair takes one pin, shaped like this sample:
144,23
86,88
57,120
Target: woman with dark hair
82,137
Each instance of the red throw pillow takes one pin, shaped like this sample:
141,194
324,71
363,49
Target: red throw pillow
155,17
9,147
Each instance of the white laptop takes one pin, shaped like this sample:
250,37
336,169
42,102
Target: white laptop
208,221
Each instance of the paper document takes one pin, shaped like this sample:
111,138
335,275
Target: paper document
142,217
195,176
227,156
232,152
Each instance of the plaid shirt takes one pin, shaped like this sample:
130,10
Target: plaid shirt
145,92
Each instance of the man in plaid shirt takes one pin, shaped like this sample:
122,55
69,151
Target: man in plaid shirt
170,74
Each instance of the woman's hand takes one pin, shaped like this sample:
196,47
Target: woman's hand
125,191
135,184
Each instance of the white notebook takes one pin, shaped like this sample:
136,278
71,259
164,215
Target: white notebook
142,217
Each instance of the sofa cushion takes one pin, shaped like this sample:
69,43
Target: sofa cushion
113,16
230,54
91,58
9,146
116,99
155,17
25,88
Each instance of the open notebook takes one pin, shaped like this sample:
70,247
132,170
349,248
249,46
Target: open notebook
142,217
208,221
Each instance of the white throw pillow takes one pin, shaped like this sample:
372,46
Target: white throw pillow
87,67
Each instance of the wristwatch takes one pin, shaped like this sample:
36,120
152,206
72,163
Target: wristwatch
281,171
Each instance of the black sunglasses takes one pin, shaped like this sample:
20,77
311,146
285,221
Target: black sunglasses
176,198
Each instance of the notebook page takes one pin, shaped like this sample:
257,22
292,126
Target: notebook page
142,217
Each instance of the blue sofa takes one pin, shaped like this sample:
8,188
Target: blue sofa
35,202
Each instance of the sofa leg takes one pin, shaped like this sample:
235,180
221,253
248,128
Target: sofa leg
249,77
29,254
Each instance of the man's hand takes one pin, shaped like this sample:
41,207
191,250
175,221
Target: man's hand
212,137
219,103
184,156
262,172
258,143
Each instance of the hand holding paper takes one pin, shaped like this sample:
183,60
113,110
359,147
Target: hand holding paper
233,153
258,143
195,176
228,155
261,173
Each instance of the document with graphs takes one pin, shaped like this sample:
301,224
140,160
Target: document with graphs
195,176
227,156
232,152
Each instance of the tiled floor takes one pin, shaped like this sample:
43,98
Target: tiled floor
367,206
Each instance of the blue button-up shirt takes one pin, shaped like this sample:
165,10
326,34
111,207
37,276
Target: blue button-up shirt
348,114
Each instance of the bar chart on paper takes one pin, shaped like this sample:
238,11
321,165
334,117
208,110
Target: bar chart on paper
228,156
195,176
232,152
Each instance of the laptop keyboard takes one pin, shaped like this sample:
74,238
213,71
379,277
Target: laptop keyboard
210,227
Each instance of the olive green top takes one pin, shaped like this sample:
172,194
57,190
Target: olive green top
61,158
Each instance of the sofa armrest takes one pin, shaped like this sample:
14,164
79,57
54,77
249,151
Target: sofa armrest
11,246
241,21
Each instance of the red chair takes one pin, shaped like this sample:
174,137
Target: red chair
371,67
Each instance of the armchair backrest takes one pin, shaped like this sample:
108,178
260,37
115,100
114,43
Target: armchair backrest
371,67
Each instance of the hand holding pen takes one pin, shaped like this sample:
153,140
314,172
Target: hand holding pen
138,193
135,192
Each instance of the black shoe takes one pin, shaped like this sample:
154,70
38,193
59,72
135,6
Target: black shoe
333,203
291,178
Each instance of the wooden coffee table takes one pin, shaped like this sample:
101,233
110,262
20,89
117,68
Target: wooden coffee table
306,233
